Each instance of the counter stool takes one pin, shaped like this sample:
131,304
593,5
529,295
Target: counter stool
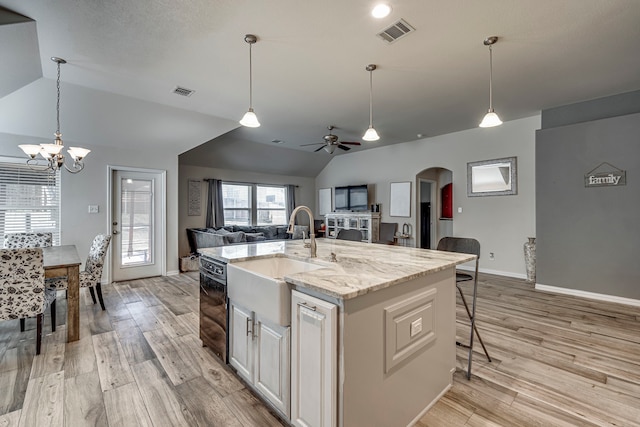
467,246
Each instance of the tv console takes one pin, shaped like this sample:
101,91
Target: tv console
368,223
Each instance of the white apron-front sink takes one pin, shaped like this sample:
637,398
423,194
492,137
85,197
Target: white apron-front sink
258,285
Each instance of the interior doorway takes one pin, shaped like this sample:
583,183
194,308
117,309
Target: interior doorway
435,219
426,222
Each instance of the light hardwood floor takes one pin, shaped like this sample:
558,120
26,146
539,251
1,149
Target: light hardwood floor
558,361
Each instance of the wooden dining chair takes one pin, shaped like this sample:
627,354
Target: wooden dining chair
467,246
22,289
92,275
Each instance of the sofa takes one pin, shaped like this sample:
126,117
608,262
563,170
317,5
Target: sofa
233,234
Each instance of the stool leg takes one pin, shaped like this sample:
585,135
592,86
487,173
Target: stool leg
474,326
22,324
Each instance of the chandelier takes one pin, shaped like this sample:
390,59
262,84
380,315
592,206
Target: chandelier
52,153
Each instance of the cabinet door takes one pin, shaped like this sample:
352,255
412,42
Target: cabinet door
313,361
272,363
241,340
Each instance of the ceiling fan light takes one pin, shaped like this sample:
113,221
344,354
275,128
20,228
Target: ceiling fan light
330,148
250,119
371,134
490,120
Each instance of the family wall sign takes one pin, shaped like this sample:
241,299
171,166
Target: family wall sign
605,175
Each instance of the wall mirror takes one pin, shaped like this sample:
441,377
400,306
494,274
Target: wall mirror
497,177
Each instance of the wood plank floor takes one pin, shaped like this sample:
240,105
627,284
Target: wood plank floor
557,361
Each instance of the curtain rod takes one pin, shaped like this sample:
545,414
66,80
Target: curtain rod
252,183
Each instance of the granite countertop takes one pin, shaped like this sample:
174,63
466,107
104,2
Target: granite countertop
361,267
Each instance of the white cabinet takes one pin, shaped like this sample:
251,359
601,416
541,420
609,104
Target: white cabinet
313,361
241,340
260,352
366,222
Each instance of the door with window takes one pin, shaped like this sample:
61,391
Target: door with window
137,218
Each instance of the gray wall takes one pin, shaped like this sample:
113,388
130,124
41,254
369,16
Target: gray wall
305,194
595,109
588,237
501,223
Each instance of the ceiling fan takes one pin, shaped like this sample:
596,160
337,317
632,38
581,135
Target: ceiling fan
331,142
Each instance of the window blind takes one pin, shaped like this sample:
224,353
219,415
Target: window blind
29,200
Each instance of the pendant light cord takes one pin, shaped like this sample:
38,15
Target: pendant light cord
58,102
250,78
490,78
371,98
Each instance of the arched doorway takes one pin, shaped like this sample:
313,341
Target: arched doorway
431,224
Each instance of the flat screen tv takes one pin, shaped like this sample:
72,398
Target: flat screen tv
354,198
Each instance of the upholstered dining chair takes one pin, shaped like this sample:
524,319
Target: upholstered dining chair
27,240
22,289
467,246
33,240
92,274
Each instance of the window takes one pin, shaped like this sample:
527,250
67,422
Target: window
271,205
237,204
254,204
29,200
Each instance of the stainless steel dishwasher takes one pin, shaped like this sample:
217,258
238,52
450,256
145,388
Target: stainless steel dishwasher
213,306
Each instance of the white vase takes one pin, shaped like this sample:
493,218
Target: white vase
530,259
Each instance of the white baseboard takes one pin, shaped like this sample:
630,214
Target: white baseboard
496,272
590,295
433,402
173,272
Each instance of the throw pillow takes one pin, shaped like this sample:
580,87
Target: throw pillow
236,237
255,237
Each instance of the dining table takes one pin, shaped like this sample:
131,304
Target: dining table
64,261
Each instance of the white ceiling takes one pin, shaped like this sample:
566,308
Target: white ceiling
126,56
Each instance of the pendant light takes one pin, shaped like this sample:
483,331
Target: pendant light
52,152
250,119
491,119
371,134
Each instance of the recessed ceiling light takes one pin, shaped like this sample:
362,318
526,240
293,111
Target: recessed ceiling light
381,10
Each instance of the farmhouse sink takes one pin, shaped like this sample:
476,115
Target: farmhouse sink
259,285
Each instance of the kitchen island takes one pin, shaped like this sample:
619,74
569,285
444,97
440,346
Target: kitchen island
371,339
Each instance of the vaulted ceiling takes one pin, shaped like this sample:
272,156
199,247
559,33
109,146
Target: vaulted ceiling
125,57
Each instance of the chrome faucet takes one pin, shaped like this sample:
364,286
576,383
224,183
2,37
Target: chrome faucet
312,235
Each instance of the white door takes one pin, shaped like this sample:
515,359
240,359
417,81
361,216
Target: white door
137,216
313,361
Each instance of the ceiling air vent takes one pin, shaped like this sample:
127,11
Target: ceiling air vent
183,91
396,31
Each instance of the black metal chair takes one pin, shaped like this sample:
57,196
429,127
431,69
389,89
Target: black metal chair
467,246
355,235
